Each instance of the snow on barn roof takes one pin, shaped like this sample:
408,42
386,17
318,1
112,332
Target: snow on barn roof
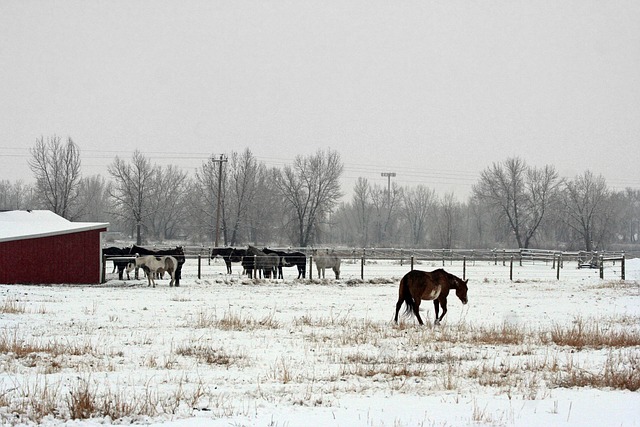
18,225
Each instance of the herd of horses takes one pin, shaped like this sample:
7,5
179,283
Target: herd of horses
415,286
149,260
269,262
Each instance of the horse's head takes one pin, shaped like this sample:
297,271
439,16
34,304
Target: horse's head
461,290
132,264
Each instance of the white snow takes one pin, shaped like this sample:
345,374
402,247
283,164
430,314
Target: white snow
325,352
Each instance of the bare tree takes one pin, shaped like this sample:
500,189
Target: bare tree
363,210
310,188
56,167
519,195
16,195
94,199
448,220
419,205
167,209
131,190
240,193
587,208
629,215
386,206
203,198
266,214
240,180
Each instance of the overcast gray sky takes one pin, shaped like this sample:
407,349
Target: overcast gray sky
434,91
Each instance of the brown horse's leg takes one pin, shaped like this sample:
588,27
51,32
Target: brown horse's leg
416,309
443,304
402,290
398,306
436,305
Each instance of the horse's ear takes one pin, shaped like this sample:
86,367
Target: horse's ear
466,281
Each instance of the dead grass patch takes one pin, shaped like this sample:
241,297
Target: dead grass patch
12,343
33,400
617,284
593,334
507,334
231,321
209,355
11,305
621,371
392,370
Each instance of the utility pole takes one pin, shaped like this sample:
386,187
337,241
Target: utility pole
220,161
389,175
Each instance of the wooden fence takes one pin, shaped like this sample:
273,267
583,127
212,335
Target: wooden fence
365,257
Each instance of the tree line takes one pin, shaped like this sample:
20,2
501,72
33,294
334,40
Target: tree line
512,204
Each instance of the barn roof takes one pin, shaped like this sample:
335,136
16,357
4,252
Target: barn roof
18,225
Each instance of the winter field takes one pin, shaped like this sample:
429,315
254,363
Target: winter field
223,350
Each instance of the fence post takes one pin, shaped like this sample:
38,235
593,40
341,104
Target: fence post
199,266
310,267
412,259
443,257
255,266
553,266
558,265
401,256
104,269
362,268
622,275
464,267
601,267
511,269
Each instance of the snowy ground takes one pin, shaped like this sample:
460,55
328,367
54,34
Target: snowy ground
223,350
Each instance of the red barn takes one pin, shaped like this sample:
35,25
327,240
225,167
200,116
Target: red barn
42,247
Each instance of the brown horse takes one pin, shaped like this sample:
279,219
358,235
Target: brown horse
417,285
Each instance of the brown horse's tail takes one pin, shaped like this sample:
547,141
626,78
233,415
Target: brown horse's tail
404,297
408,299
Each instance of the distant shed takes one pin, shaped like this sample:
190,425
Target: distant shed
41,247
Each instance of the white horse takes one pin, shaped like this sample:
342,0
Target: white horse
327,260
154,265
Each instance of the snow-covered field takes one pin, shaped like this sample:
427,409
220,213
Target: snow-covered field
227,351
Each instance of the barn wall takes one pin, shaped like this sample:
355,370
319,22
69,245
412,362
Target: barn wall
66,258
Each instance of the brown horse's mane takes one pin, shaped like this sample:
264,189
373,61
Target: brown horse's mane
453,283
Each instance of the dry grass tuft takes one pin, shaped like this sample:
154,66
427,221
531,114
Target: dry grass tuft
506,334
621,371
12,305
31,402
617,285
593,334
81,401
231,321
209,355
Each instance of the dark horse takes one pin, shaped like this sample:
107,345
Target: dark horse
229,255
290,259
116,254
177,253
257,261
418,285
